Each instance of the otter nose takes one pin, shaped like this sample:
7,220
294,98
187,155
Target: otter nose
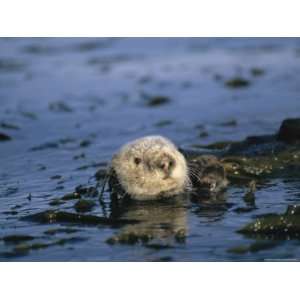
164,166
167,166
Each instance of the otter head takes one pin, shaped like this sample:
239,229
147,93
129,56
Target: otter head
150,168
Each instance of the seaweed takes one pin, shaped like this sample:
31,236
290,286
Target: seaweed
289,131
84,205
91,45
4,137
257,72
48,145
37,49
56,202
9,126
156,246
56,177
17,238
254,247
10,65
286,225
53,216
237,82
157,101
86,191
71,196
24,249
60,106
163,123
230,123
29,115
85,143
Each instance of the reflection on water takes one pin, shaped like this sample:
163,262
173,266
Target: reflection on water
160,221
211,210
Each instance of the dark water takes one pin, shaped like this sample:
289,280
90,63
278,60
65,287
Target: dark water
80,99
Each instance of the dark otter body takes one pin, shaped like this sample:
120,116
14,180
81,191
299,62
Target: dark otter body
208,176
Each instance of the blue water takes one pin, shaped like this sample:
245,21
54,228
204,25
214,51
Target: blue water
68,90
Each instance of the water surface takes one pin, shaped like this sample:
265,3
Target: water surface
72,102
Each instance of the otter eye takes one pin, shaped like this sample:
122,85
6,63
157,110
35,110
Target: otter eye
137,160
162,166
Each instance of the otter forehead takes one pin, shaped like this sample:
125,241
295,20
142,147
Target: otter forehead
148,144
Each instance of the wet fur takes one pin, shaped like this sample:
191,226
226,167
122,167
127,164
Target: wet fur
146,179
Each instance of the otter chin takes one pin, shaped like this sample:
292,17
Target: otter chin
150,168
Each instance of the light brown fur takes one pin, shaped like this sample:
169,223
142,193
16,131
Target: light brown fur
150,168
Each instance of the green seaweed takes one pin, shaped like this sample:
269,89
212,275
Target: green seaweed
92,45
60,106
71,196
157,101
237,82
289,131
4,137
217,145
257,72
285,225
254,247
56,202
83,205
163,123
230,123
17,238
25,248
29,115
9,126
10,65
52,216
55,177
37,49
85,143
156,246
90,191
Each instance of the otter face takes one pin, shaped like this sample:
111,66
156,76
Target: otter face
150,168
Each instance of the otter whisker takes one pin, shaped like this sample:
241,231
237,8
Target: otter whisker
194,175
